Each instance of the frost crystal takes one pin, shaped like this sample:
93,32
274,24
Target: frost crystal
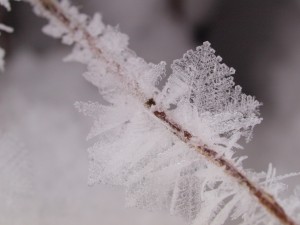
206,100
5,3
2,54
159,171
5,28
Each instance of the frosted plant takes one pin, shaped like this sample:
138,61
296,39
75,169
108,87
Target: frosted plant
5,3
5,28
172,149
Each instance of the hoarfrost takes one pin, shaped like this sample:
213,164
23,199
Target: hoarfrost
4,28
5,3
206,100
137,150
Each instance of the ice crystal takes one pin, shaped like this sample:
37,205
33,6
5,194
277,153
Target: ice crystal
159,171
2,54
5,3
206,100
5,28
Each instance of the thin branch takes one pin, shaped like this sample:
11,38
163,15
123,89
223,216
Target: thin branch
263,197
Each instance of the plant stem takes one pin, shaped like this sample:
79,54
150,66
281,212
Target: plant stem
263,197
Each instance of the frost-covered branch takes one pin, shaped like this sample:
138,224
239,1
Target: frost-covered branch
169,148
4,28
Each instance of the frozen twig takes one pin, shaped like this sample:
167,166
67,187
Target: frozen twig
52,10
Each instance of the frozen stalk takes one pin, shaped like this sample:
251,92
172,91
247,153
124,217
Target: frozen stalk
180,139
